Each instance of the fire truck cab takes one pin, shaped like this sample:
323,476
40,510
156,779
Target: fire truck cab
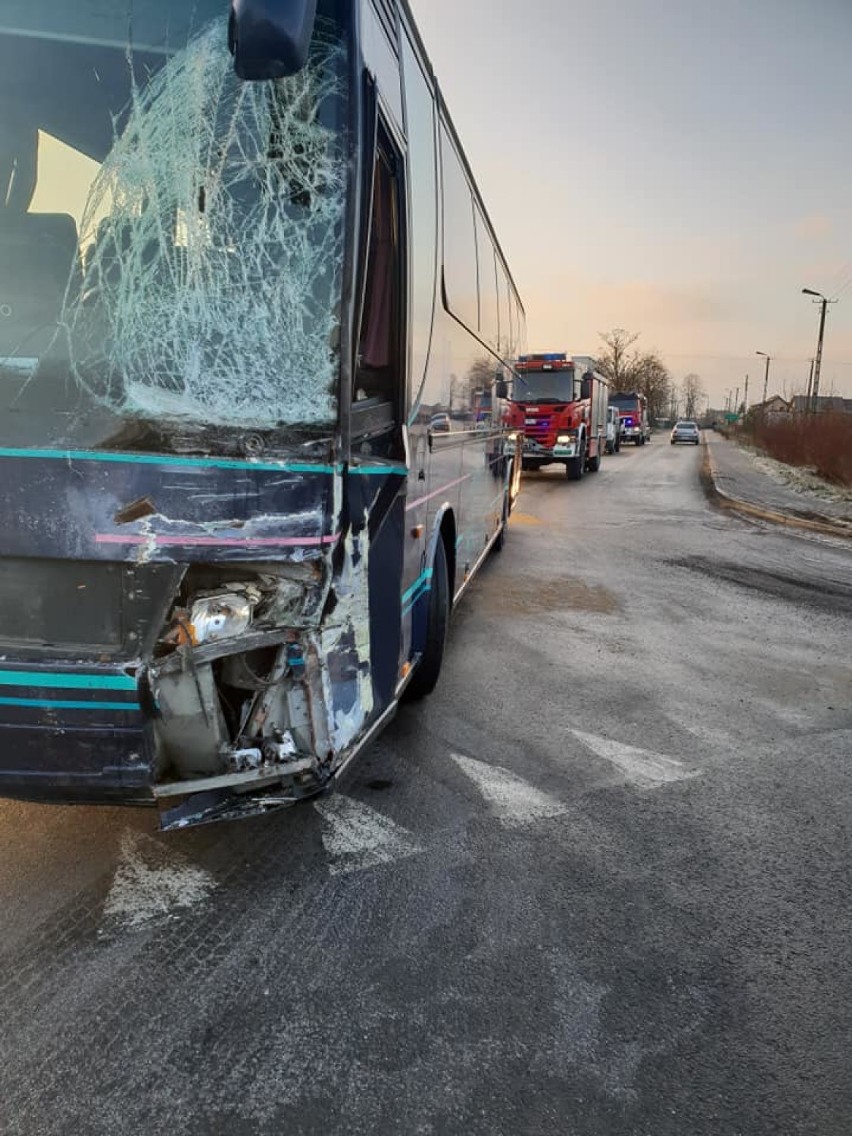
559,407
633,411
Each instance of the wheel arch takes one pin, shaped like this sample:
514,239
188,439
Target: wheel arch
444,528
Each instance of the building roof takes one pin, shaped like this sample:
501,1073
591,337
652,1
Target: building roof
800,402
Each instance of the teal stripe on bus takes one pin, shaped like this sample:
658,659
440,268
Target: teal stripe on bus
421,579
53,679
196,463
165,459
399,470
419,589
413,601
45,704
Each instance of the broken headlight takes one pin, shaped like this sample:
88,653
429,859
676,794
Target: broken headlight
222,616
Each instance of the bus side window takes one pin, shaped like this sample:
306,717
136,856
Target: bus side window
378,376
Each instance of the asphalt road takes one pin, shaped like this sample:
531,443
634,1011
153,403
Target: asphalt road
598,883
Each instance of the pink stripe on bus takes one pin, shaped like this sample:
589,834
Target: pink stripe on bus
215,541
443,489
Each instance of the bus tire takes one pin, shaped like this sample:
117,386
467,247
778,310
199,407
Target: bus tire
425,677
500,538
595,462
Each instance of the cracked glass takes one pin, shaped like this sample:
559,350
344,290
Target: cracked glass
171,238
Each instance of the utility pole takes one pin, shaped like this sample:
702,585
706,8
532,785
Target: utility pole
823,302
765,373
810,385
736,407
745,396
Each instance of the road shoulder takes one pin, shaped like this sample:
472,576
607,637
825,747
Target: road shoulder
731,482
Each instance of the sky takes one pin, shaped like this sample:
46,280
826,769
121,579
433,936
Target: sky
677,168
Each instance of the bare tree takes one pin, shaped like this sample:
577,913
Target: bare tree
651,376
674,401
617,361
629,369
692,390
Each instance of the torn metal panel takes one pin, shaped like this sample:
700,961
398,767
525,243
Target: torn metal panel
191,727
207,511
225,804
361,615
345,645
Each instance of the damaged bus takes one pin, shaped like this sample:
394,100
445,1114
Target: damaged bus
245,272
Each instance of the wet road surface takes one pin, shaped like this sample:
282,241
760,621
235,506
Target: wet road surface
598,883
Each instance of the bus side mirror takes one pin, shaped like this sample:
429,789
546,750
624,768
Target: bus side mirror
501,388
269,39
586,385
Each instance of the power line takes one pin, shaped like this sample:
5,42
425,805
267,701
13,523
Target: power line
741,358
841,273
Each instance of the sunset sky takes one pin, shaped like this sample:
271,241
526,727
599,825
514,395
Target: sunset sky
679,168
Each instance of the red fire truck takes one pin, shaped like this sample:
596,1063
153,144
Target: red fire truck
633,411
559,405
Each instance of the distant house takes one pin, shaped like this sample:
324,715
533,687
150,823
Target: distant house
774,405
800,403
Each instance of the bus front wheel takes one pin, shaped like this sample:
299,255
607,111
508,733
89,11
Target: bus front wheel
500,539
425,677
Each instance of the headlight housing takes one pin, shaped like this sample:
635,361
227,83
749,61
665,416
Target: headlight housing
221,616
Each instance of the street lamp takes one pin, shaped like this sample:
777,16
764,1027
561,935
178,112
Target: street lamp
823,302
768,359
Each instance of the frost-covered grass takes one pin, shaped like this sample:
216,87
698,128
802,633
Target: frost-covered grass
802,479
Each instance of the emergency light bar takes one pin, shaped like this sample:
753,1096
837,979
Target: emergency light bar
545,361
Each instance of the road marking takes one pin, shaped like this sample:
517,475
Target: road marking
640,765
150,881
514,801
357,837
708,734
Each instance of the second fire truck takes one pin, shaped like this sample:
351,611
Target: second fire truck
559,405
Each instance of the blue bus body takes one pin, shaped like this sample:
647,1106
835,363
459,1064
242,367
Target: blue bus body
231,312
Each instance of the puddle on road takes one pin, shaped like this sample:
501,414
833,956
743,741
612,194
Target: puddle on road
560,593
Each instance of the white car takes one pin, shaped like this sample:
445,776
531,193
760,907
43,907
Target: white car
685,431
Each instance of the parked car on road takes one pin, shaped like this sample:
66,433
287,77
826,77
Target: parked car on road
685,431
440,423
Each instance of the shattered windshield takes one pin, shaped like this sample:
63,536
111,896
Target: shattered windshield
171,238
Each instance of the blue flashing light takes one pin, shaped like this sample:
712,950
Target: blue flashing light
544,357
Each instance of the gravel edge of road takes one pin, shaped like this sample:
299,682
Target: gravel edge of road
716,495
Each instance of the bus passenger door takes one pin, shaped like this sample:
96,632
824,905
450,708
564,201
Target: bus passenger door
378,475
